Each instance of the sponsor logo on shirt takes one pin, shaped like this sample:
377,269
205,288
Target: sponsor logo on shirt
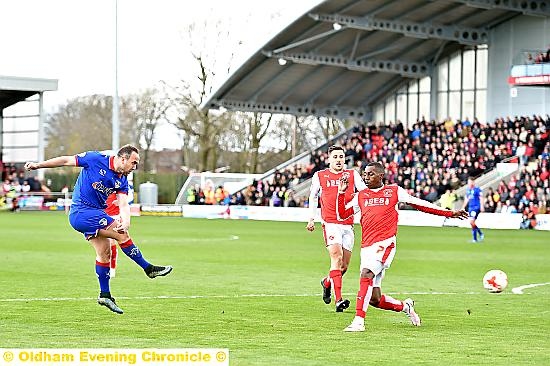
102,172
333,182
98,186
377,201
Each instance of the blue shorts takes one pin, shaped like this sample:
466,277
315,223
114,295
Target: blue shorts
474,213
89,220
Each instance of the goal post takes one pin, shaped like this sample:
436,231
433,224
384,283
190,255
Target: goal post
232,182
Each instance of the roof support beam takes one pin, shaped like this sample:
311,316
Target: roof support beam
358,113
438,53
425,30
404,68
531,7
355,43
307,40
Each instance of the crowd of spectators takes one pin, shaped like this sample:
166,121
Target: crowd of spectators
539,58
527,192
273,192
14,184
429,160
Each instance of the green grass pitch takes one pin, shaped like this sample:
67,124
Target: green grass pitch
253,287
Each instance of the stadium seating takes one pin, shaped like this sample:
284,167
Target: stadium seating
431,158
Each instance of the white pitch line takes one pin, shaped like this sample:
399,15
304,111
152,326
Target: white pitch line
219,296
519,290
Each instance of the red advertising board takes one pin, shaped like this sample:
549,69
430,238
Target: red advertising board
529,80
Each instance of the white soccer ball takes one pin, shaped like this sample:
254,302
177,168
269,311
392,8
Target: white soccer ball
495,280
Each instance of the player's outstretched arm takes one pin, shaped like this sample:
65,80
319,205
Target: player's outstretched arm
51,163
428,207
459,214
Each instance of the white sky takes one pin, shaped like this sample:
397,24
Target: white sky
74,41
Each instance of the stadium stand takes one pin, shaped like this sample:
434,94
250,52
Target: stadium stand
431,159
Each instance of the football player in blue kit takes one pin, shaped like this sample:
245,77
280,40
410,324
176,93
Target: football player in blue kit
100,176
474,204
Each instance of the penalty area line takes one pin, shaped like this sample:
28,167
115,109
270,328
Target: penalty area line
519,290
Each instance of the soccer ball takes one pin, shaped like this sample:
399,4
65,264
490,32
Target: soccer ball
495,280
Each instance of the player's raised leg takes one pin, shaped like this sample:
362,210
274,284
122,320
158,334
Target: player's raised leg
132,251
386,302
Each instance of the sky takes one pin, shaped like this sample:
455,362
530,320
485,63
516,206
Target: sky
74,41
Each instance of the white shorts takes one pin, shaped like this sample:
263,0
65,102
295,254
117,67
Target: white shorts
338,234
377,258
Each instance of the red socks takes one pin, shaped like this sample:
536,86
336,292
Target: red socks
389,303
363,296
127,243
113,256
336,278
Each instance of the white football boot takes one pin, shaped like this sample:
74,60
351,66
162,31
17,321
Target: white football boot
357,325
408,309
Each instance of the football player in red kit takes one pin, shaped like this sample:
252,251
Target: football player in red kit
378,204
338,233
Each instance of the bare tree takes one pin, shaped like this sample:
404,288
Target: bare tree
144,112
84,123
329,126
201,127
259,124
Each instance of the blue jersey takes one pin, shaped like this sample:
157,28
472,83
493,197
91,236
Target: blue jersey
474,198
97,180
